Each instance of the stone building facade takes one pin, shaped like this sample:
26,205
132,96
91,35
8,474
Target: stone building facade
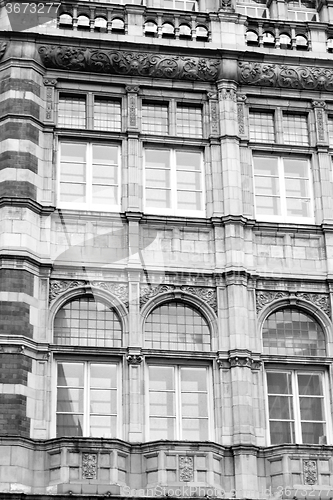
166,249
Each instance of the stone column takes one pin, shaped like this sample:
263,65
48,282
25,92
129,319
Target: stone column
135,397
229,143
133,172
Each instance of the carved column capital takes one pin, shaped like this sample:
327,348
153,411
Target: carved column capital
319,104
132,88
50,82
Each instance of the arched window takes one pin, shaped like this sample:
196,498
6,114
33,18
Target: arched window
85,321
252,38
268,39
290,331
175,325
201,32
301,42
100,24
184,31
150,28
83,22
117,24
65,21
285,41
168,30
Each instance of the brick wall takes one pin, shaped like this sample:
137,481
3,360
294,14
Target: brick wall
15,159
14,368
16,280
14,319
13,419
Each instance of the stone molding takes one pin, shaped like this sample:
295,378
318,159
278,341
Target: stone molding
320,300
207,294
283,76
130,63
59,287
89,465
310,472
134,359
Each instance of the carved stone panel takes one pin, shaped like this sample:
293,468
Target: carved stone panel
89,465
131,63
283,76
186,470
320,300
58,287
207,294
310,472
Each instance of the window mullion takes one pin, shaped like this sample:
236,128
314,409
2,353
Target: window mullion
89,169
172,117
297,411
90,111
179,429
282,184
173,174
86,391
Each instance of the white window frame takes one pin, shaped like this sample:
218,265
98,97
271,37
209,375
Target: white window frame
86,411
89,205
295,401
173,185
177,380
282,189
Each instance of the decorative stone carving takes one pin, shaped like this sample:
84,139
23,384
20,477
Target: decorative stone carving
50,84
132,88
226,5
320,300
208,295
89,465
134,359
228,94
294,77
264,298
241,361
148,292
119,290
58,287
117,62
320,124
214,116
319,104
310,473
186,471
212,95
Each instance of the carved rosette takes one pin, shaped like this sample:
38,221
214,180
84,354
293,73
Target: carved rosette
186,470
280,75
118,62
208,295
310,472
320,300
89,465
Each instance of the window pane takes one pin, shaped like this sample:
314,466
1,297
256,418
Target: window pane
268,206
282,432
313,433
72,112
107,114
188,160
195,429
266,166
107,155
158,198
159,178
264,185
103,401
71,325
72,192
104,195
162,404
103,375
70,400
194,404
261,126
158,158
298,208
311,408
162,428
70,374
103,426
155,118
280,407
73,172
193,379
292,332
177,326
295,129
189,121
69,425
187,200
161,378
189,180
309,384
73,152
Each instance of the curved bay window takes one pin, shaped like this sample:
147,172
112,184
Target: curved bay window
175,325
87,322
293,332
